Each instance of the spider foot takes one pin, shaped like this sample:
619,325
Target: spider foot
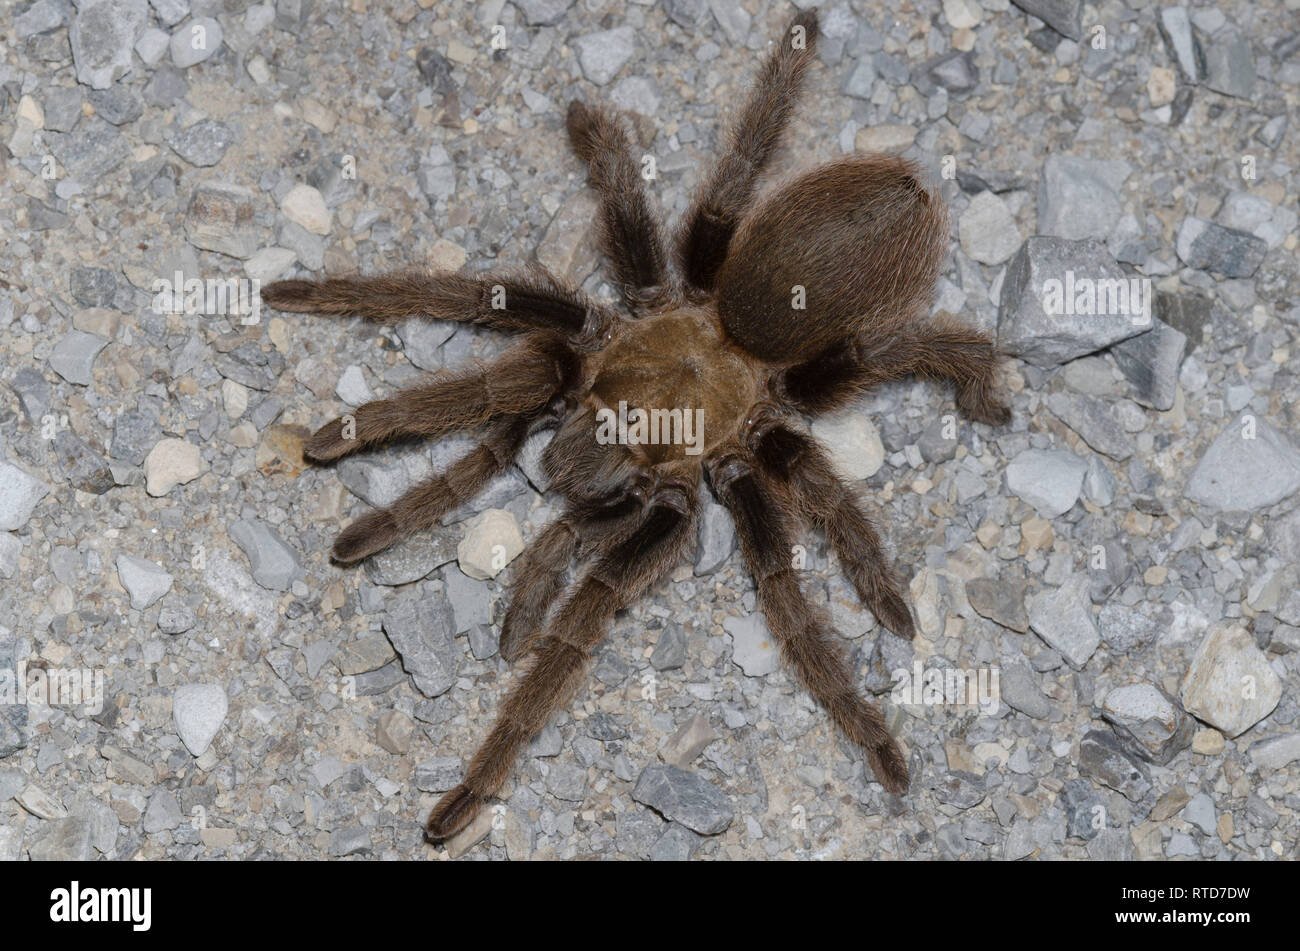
891,610
373,532
983,407
295,296
453,812
332,441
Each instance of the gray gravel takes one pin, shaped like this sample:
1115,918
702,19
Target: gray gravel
1122,554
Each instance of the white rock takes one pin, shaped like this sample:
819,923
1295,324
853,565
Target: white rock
143,580
962,14
988,230
1048,479
305,206
752,647
170,463
491,542
199,711
234,396
270,264
195,41
1230,684
41,804
852,443
1276,752
352,387
20,493
152,46
1063,618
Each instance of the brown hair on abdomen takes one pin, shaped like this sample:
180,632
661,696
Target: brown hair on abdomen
864,238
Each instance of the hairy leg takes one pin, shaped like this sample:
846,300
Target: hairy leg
521,381
539,575
630,231
726,194
942,348
794,461
617,578
515,304
421,506
806,637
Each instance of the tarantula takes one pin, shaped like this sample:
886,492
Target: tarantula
715,327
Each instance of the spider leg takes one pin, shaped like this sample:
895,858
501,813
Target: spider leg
515,304
521,381
630,231
539,575
622,574
940,348
422,505
725,195
795,462
806,637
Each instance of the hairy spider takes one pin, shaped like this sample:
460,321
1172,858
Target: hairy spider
713,329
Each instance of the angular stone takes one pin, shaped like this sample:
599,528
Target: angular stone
568,248
170,463
1147,721
1250,465
601,55
686,797
144,581
1230,684
1208,246
717,538
65,840
83,468
220,218
1048,479
413,558
491,542
1091,418
422,632
1277,752
199,710
1080,197
1063,16
1229,65
752,647
102,35
1001,600
1151,361
1101,757
20,493
1176,30
1032,320
274,564
194,42
1019,690
1063,619
851,442
73,357
203,144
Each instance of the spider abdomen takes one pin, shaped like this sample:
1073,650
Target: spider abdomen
851,248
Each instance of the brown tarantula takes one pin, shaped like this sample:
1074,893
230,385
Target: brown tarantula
712,329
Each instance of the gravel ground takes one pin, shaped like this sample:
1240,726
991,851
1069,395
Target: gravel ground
1123,557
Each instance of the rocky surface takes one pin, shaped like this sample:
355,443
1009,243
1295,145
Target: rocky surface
1118,564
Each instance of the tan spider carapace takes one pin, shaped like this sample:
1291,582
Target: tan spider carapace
716,330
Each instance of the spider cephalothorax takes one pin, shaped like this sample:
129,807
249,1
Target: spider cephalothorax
713,331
